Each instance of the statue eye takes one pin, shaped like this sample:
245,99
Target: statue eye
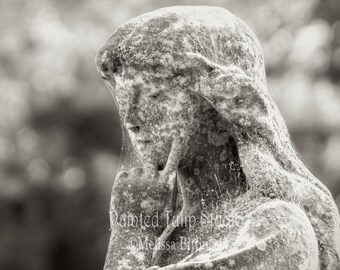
210,69
239,101
154,96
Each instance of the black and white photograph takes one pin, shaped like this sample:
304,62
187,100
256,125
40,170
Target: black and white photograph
169,135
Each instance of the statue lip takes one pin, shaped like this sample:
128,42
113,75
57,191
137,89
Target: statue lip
143,141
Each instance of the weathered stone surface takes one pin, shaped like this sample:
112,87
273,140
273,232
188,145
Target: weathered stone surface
190,86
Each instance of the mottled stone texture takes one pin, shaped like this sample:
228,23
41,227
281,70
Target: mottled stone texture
190,86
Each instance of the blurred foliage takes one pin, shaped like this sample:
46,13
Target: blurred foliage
59,130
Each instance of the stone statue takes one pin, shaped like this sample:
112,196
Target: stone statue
215,182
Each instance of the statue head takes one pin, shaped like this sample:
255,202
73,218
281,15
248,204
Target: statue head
171,70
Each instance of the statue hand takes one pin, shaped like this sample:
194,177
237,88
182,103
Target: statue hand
142,191
140,199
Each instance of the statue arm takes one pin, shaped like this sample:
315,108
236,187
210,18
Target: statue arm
276,235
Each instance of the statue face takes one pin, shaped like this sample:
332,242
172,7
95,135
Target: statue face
154,110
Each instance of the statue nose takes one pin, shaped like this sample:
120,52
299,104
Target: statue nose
132,120
132,127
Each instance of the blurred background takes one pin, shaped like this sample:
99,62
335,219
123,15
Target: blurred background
59,131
